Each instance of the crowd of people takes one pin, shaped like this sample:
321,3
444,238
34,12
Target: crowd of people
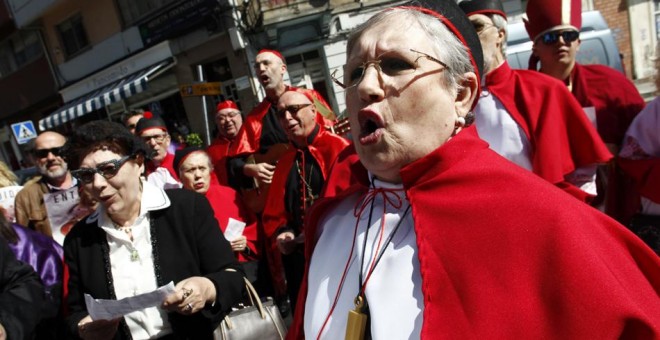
464,202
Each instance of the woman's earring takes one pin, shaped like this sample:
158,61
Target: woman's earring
460,122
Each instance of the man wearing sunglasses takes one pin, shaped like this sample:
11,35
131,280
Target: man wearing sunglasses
55,176
131,118
609,99
298,180
261,141
528,117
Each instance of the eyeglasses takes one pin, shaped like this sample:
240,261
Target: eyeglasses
481,27
158,138
228,116
551,38
106,169
293,109
392,63
43,153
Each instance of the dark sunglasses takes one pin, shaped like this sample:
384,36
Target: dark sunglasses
43,153
293,109
106,169
551,38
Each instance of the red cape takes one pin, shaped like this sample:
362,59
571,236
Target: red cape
615,98
561,135
218,151
226,203
167,163
505,255
249,136
325,148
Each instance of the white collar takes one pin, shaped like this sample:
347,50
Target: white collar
153,198
377,183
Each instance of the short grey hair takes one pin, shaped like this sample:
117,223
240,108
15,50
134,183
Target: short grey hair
448,48
500,23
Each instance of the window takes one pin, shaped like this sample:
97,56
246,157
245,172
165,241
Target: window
72,35
134,10
20,49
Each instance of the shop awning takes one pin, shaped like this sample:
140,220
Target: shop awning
122,89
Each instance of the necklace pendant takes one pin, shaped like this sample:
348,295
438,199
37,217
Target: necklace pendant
357,321
134,255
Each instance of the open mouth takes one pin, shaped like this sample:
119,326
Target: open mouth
264,79
371,127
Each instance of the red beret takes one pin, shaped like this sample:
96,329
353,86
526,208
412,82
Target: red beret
550,15
278,54
227,104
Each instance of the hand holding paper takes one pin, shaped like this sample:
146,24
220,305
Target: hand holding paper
234,229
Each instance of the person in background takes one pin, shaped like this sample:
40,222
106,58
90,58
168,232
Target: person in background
609,99
21,296
7,177
131,118
530,118
45,256
423,232
640,160
195,169
29,203
261,141
228,121
297,182
140,238
159,169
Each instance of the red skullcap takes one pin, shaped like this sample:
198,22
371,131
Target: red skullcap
278,54
550,15
227,104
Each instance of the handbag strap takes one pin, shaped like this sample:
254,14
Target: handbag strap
252,293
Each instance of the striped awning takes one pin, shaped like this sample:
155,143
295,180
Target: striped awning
122,89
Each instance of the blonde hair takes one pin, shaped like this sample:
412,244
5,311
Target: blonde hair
7,177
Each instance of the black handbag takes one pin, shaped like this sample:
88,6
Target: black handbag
261,320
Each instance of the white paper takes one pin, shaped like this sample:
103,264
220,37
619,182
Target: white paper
234,229
591,115
100,309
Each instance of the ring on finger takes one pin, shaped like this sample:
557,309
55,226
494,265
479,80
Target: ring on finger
189,307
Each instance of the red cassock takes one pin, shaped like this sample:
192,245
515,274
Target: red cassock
218,151
505,255
562,137
324,148
226,203
614,97
167,163
248,138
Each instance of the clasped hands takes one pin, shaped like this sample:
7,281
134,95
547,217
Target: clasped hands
189,297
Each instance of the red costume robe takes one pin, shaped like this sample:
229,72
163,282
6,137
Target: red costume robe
226,203
218,151
249,137
504,255
561,136
167,163
617,102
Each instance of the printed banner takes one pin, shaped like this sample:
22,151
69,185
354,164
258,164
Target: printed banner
7,197
64,211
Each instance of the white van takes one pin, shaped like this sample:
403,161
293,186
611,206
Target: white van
597,43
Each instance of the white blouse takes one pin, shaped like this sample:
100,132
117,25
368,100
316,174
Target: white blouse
394,290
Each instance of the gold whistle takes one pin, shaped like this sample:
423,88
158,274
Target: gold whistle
357,321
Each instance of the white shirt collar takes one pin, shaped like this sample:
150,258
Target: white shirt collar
153,198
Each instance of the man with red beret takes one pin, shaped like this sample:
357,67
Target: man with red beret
159,168
228,121
607,96
253,155
531,118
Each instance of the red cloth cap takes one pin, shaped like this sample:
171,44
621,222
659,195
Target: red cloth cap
278,54
550,15
227,104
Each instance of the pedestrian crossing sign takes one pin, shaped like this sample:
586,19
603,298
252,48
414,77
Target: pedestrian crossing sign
24,131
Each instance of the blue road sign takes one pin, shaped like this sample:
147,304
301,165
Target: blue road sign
24,131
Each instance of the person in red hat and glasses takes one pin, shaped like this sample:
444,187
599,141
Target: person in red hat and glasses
423,232
261,141
228,121
530,118
609,99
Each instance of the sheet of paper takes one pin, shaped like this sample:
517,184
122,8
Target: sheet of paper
100,309
234,229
